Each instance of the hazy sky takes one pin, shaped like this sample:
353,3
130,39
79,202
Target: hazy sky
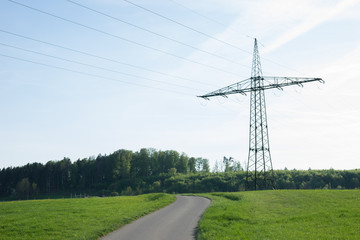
77,81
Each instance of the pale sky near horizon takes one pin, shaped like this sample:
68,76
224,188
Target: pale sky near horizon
134,89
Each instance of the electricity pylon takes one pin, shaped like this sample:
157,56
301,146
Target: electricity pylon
259,170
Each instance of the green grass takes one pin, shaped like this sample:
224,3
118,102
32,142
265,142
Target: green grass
74,218
282,214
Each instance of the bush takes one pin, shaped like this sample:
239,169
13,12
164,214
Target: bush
114,194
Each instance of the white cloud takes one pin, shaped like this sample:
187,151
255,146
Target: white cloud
312,18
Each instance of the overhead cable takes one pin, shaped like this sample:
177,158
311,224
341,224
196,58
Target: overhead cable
91,75
204,16
188,27
97,67
157,34
224,25
123,39
103,58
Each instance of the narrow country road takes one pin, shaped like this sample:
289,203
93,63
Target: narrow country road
178,221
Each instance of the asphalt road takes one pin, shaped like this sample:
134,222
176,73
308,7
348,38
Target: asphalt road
178,221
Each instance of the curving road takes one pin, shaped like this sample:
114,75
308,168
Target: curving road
178,221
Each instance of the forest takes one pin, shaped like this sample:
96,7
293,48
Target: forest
125,172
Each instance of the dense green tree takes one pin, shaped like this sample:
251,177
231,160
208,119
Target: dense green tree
125,157
170,160
202,165
149,170
192,165
182,164
23,188
140,166
172,171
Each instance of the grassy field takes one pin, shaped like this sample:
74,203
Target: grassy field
282,214
68,219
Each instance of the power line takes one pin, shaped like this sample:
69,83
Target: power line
90,74
179,42
205,17
186,26
123,39
157,34
224,25
103,58
97,67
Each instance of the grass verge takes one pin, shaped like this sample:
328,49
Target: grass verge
67,219
282,214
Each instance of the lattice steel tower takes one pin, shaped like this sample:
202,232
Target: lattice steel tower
259,170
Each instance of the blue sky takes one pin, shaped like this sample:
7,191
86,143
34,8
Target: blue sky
92,103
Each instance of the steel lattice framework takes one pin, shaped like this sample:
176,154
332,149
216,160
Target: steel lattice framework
259,170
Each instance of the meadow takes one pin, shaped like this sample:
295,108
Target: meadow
279,214
282,214
86,218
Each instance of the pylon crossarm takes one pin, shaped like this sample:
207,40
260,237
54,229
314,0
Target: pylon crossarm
269,82
239,87
279,82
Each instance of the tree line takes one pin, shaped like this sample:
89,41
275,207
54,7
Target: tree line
97,174
125,172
